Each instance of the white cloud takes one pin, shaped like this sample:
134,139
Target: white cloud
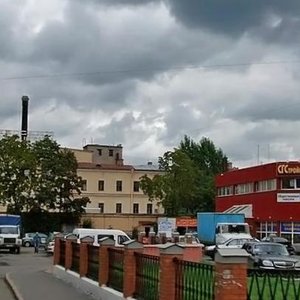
147,89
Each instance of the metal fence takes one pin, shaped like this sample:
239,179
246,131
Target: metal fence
273,284
62,253
93,262
75,257
147,277
115,272
194,281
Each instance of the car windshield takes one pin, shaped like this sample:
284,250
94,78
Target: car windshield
270,249
8,230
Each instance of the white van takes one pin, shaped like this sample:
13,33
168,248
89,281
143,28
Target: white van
118,236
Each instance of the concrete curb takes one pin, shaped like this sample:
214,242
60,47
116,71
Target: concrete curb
13,287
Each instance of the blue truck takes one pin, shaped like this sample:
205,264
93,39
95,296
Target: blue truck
215,228
10,233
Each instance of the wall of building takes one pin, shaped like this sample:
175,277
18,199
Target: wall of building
104,154
125,222
83,156
110,196
276,210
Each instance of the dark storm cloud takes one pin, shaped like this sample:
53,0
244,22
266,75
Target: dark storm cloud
269,108
82,43
123,2
235,17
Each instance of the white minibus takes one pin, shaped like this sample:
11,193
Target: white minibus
118,236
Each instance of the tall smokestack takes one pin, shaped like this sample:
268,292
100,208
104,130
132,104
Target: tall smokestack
24,126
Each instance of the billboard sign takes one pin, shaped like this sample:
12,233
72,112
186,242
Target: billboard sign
288,197
167,225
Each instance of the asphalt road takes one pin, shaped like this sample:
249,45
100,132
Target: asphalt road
26,260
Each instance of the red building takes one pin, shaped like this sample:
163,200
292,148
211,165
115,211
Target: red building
269,195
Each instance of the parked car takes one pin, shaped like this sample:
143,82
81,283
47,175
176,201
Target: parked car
27,240
233,243
280,240
49,247
271,256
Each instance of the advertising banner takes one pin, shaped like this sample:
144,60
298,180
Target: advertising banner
286,227
167,225
186,222
288,197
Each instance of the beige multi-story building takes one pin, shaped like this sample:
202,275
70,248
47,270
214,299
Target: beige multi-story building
114,189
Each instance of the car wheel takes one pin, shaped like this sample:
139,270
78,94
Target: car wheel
27,244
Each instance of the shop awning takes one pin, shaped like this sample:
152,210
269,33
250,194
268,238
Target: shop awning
245,209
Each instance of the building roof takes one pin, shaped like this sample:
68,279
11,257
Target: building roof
84,165
147,167
103,146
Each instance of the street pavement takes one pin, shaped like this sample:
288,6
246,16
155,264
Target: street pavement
29,276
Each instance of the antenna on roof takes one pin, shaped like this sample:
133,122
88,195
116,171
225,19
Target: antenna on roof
83,142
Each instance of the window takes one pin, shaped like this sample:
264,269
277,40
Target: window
111,152
136,186
122,239
101,208
149,208
119,186
119,208
101,185
225,191
100,152
135,208
244,188
102,236
290,183
84,185
266,185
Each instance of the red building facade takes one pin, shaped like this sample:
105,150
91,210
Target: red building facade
269,192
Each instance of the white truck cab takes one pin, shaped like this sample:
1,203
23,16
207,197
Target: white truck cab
226,231
10,238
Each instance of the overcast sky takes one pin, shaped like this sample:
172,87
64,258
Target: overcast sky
143,73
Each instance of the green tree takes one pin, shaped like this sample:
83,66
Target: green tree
39,176
187,183
210,161
176,188
58,185
16,163
205,154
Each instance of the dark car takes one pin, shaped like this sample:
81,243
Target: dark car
280,240
27,240
271,256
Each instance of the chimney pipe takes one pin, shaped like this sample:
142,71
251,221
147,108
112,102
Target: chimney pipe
24,126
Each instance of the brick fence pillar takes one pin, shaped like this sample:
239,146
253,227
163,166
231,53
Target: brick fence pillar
71,238
104,243
231,274
57,245
129,278
83,261
168,271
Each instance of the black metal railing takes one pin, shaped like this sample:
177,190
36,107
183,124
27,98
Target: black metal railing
194,281
62,253
93,262
115,272
147,277
273,284
75,257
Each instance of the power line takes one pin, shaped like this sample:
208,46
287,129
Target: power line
120,71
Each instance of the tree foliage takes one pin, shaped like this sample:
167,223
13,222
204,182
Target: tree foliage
187,183
177,186
39,176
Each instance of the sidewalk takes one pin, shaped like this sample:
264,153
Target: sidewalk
42,285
